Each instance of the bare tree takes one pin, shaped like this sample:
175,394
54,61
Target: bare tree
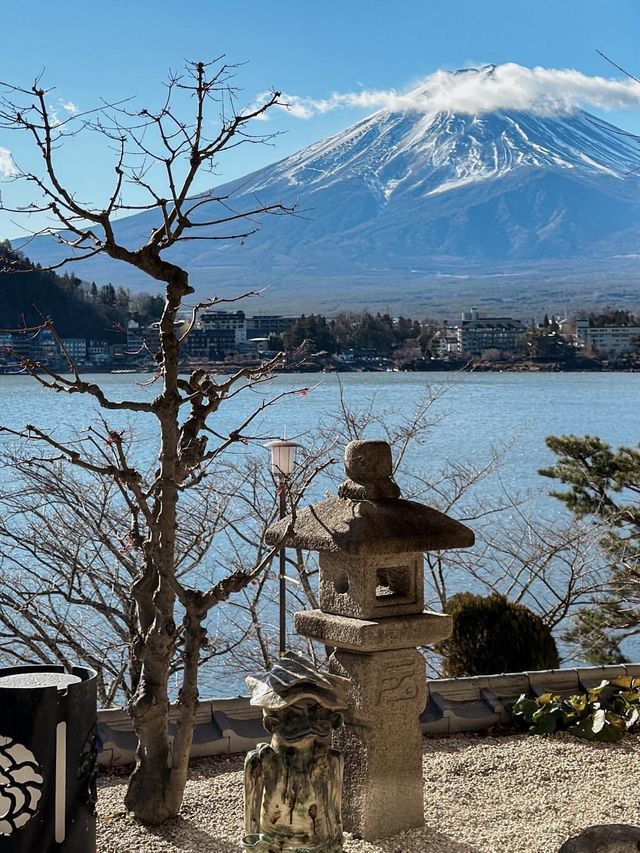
553,565
67,560
158,156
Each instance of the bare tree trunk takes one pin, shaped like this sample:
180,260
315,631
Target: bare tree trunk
194,636
153,794
149,795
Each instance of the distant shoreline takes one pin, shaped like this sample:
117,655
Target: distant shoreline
430,367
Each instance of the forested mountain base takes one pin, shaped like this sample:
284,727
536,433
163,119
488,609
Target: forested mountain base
78,309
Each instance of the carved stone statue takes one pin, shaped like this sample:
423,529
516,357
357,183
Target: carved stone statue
293,785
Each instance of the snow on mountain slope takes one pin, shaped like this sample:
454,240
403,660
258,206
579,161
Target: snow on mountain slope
445,148
401,195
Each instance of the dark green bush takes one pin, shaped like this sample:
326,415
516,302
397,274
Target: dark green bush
492,635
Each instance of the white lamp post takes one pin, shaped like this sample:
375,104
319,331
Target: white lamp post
283,463
283,457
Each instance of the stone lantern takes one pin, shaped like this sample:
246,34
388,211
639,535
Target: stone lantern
371,612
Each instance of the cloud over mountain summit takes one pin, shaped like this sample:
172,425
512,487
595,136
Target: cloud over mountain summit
541,91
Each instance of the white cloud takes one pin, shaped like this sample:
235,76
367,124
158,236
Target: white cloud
543,91
7,166
70,107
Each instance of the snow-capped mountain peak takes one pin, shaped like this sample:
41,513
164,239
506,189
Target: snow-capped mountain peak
412,196
443,151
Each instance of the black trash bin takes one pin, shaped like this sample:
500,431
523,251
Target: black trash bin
48,750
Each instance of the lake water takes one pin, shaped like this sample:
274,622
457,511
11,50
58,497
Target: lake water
476,412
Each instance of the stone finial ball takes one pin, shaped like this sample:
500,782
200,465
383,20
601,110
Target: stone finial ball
368,461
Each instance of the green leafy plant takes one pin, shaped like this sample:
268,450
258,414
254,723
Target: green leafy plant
606,712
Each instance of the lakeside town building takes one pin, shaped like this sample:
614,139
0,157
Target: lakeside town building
263,325
218,334
215,334
614,340
476,334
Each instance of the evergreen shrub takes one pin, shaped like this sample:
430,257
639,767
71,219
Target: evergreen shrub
493,635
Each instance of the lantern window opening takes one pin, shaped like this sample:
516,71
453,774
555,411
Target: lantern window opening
394,584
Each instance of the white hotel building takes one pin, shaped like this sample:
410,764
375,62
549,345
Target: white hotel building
613,339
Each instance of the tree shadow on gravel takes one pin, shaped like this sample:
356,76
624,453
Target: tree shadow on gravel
185,834
425,840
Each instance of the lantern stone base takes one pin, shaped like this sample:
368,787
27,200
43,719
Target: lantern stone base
382,741
382,738
373,635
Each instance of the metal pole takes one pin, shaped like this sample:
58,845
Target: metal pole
281,576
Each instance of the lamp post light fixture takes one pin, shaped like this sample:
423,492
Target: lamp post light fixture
283,464
283,457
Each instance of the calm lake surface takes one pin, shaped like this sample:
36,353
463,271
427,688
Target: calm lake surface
476,412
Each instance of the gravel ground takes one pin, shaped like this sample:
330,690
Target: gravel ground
482,795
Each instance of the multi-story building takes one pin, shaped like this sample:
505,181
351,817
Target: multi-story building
225,322
477,334
98,352
76,348
613,339
6,340
134,346
216,335
264,325
209,344
446,343
46,347
150,339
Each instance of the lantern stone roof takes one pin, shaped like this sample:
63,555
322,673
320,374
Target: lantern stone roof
364,527
369,516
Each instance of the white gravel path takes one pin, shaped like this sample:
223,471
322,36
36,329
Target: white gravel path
482,795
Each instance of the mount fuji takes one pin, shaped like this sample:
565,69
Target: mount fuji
429,212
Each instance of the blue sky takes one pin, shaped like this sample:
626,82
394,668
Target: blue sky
309,50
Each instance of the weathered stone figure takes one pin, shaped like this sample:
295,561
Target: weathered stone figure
293,785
